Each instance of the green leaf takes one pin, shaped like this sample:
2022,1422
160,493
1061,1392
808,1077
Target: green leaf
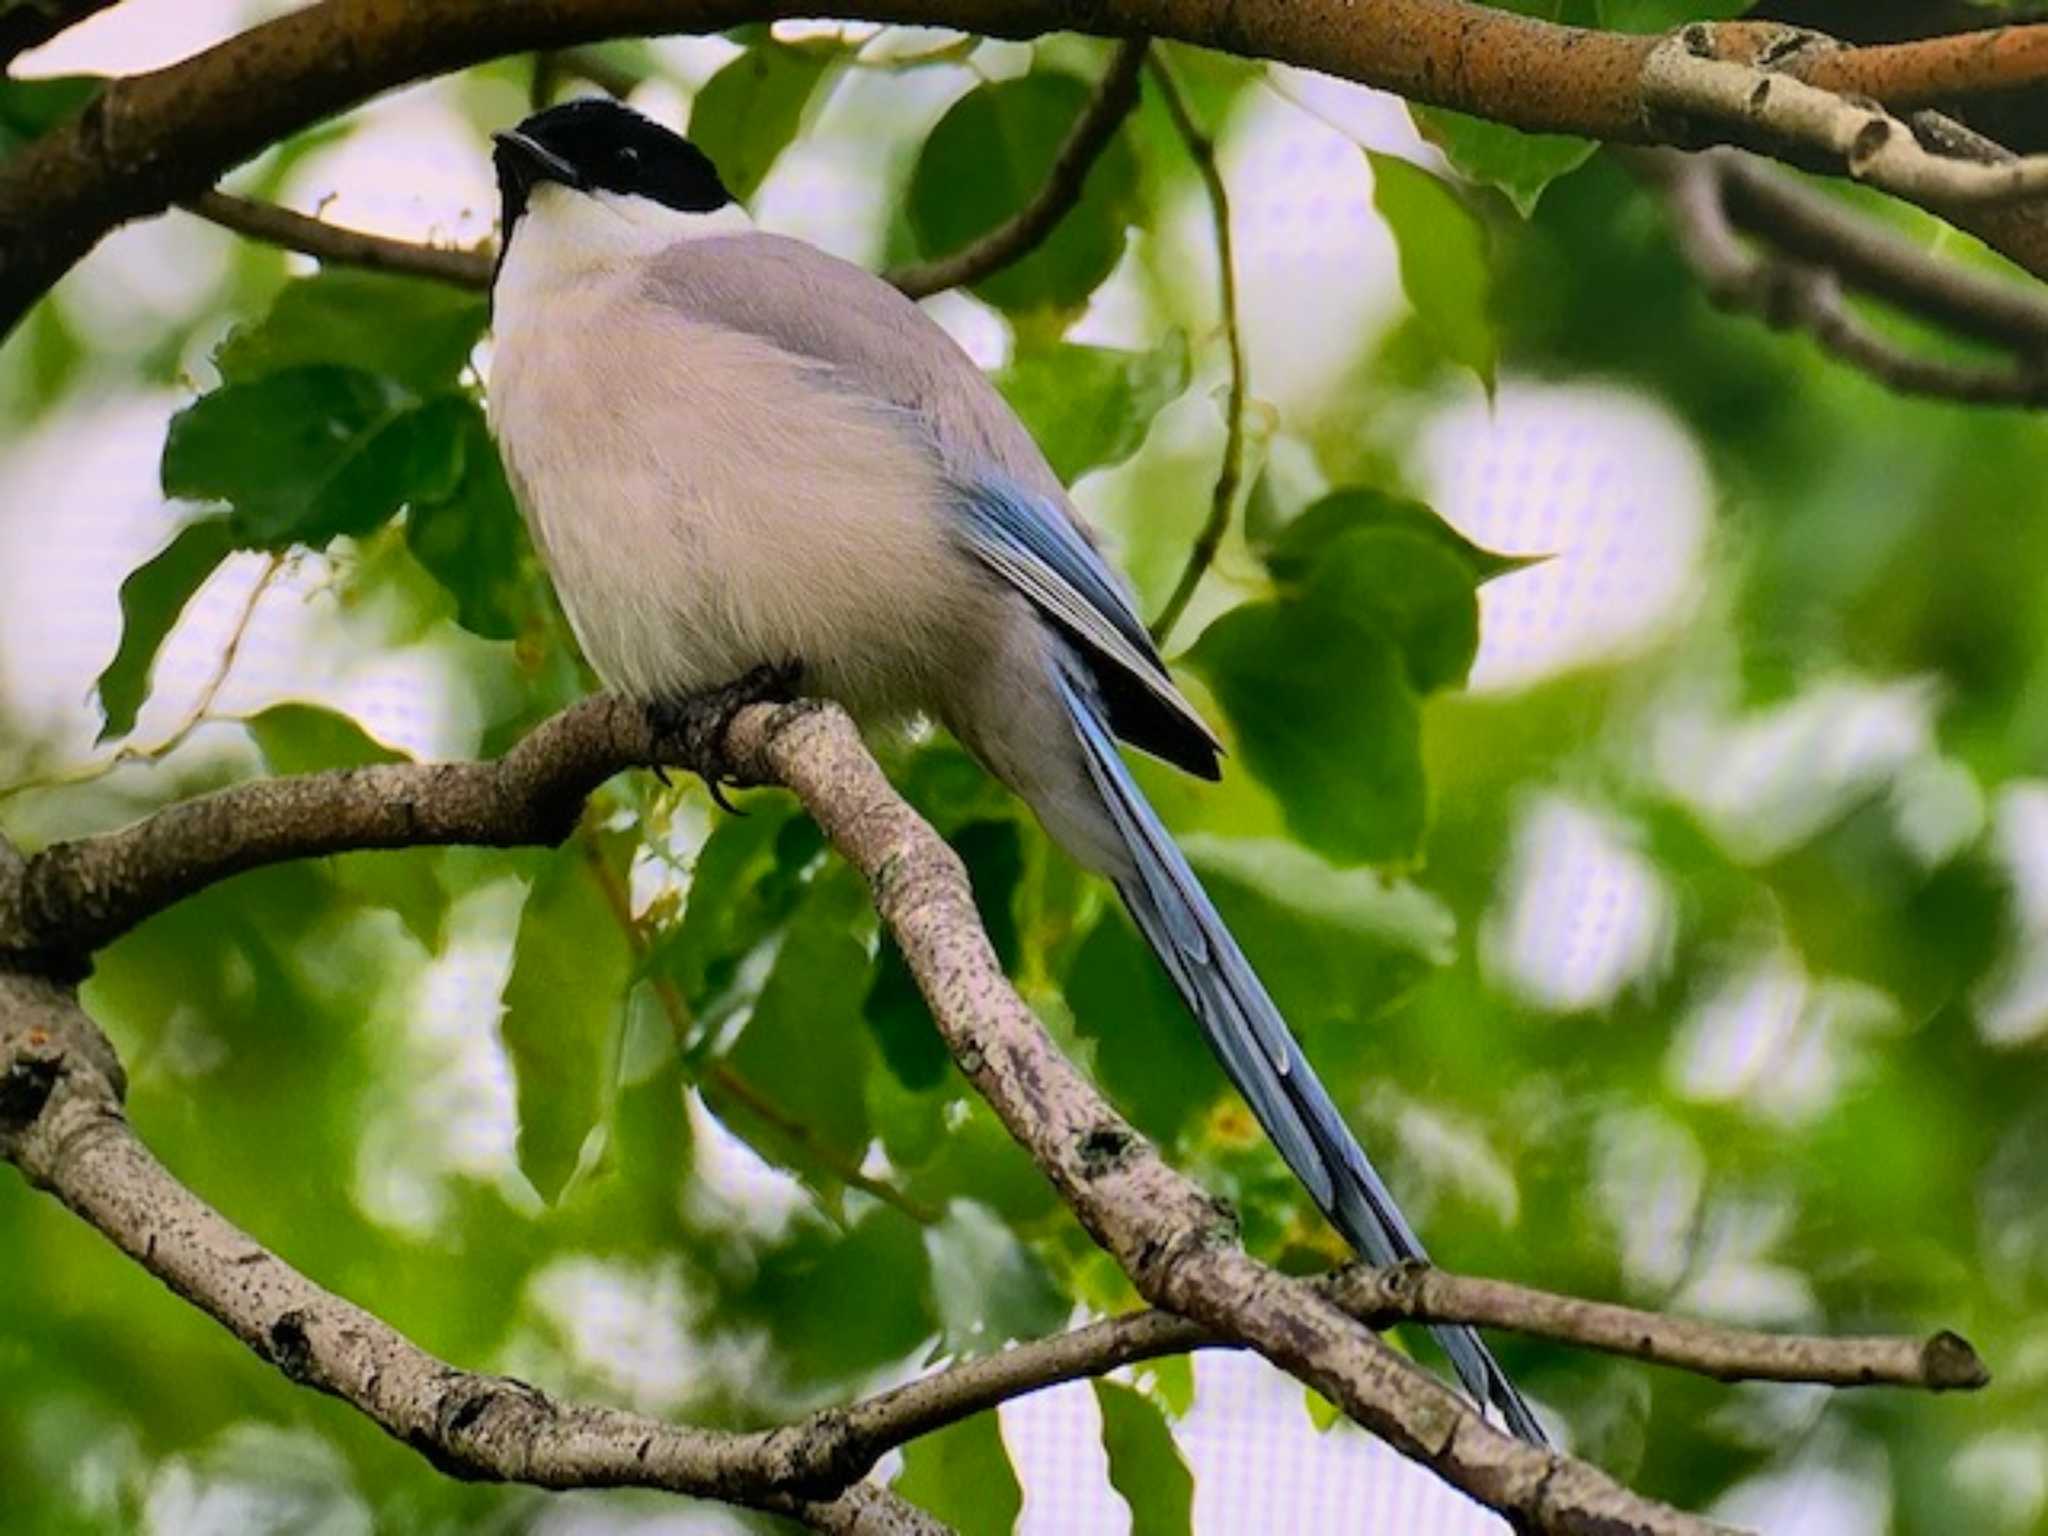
841,1304
1295,552
902,1025
1415,592
308,454
988,157
962,1474
415,333
980,1161
305,738
749,111
1663,15
564,1005
804,1047
152,597
1090,407
31,108
743,887
1148,1057
1332,944
472,539
1520,164
1325,717
1444,267
894,1008
1322,1413
1170,1382
990,1289
1145,1465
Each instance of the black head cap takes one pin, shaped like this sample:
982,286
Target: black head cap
597,145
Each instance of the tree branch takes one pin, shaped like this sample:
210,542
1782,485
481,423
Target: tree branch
1684,76
1175,1243
1013,239
75,897
1202,150
60,1120
331,243
61,1124
1020,234
1795,292
155,139
1933,70
1805,223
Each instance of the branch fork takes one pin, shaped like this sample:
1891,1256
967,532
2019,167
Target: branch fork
61,1123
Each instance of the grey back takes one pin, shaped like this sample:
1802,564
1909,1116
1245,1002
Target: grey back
868,335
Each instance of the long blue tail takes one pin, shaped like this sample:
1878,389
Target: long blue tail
1252,1041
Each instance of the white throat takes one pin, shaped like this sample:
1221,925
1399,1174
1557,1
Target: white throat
566,235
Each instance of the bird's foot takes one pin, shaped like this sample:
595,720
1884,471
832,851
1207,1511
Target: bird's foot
697,724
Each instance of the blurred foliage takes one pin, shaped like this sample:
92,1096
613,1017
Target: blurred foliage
476,1091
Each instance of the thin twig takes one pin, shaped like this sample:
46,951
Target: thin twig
1793,292
464,266
471,267
1805,222
1115,94
1222,502
200,713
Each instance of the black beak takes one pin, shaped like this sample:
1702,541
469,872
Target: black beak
529,161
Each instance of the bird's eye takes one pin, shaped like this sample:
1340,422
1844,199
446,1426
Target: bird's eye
628,155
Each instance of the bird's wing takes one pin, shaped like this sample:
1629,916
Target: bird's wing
872,339
1014,514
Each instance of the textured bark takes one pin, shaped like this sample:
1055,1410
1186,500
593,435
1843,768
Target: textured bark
152,140
61,1123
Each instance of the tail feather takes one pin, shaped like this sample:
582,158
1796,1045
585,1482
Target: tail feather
1256,1049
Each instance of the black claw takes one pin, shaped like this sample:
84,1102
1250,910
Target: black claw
698,724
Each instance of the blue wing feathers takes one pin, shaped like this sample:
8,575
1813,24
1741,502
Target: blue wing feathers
1038,549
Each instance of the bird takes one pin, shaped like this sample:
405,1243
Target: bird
735,451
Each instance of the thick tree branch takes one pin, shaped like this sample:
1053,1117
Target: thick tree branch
1017,236
1796,292
1223,500
75,897
167,136
1933,70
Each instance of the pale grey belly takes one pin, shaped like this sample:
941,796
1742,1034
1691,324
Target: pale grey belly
739,514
